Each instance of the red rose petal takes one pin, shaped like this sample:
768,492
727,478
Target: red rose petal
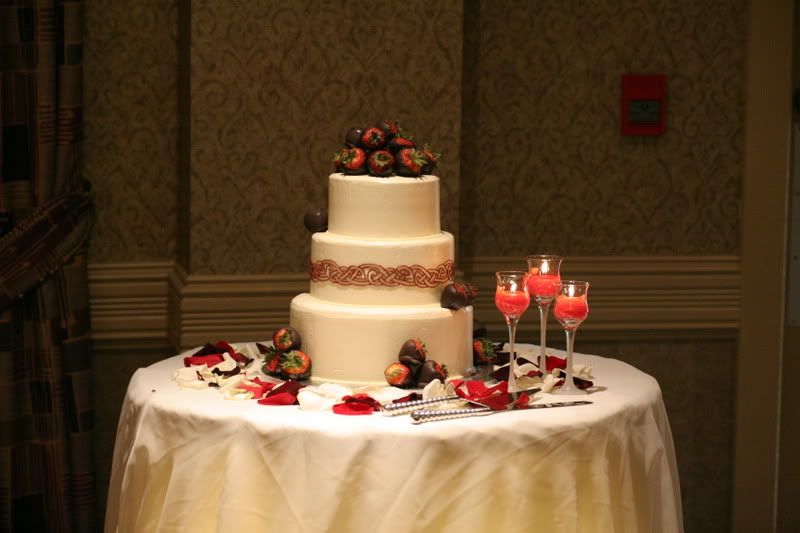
255,389
197,360
265,386
353,408
224,346
290,387
282,398
554,362
366,399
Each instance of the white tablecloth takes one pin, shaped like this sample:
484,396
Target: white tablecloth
191,461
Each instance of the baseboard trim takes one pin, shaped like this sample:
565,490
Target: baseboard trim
158,305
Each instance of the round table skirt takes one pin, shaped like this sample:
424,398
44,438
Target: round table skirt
190,460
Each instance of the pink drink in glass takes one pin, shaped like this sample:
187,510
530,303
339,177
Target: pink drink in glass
511,303
543,285
571,310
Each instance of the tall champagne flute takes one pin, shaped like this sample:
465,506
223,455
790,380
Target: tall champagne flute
544,281
572,308
512,299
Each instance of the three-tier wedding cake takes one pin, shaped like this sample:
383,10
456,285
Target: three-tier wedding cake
377,275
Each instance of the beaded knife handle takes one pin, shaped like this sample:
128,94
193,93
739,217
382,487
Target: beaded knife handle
402,408
418,417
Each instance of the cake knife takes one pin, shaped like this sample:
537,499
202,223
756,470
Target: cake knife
402,408
418,417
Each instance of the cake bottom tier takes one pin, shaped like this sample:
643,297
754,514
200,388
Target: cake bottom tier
353,344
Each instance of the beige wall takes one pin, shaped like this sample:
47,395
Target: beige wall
521,97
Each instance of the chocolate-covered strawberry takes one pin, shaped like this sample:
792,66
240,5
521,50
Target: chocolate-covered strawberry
399,375
400,141
414,348
316,219
272,360
380,163
412,354
285,339
432,159
390,128
353,137
457,295
353,161
483,352
295,365
409,163
431,370
373,139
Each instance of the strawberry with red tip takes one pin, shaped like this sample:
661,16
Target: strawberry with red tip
399,375
373,139
353,161
272,359
432,159
390,128
285,339
409,163
483,352
380,163
400,141
295,365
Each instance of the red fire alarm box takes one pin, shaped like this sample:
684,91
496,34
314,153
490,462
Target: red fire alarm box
643,109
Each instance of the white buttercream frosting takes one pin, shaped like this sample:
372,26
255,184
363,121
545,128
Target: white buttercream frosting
353,344
375,208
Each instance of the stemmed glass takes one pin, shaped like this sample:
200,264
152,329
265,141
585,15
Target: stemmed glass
512,299
572,308
544,280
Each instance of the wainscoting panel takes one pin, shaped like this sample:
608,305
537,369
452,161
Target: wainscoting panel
160,305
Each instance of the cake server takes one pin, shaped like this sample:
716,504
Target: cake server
420,416
402,408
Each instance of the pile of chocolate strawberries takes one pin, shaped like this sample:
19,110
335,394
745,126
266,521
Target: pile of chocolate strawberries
383,150
413,368
284,359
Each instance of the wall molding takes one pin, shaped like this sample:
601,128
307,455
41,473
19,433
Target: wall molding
160,306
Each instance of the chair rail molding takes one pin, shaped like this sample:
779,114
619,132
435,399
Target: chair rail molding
160,306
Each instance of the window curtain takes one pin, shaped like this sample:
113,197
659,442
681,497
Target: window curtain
47,480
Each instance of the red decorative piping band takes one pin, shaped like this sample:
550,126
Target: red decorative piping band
371,274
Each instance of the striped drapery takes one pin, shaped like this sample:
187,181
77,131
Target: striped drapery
47,480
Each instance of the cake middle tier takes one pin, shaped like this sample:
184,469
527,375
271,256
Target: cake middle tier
353,271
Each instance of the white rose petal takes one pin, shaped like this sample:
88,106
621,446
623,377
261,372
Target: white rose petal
310,400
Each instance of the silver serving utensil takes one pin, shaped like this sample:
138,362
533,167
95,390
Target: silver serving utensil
418,417
402,408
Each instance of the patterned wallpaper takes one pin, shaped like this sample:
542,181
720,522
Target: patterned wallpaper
544,166
275,86
535,159
130,147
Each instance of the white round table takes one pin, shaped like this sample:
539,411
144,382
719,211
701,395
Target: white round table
190,460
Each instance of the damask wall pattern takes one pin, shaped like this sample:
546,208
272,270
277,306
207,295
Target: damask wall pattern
130,147
275,85
544,166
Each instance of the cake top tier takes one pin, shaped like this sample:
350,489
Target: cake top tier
380,208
